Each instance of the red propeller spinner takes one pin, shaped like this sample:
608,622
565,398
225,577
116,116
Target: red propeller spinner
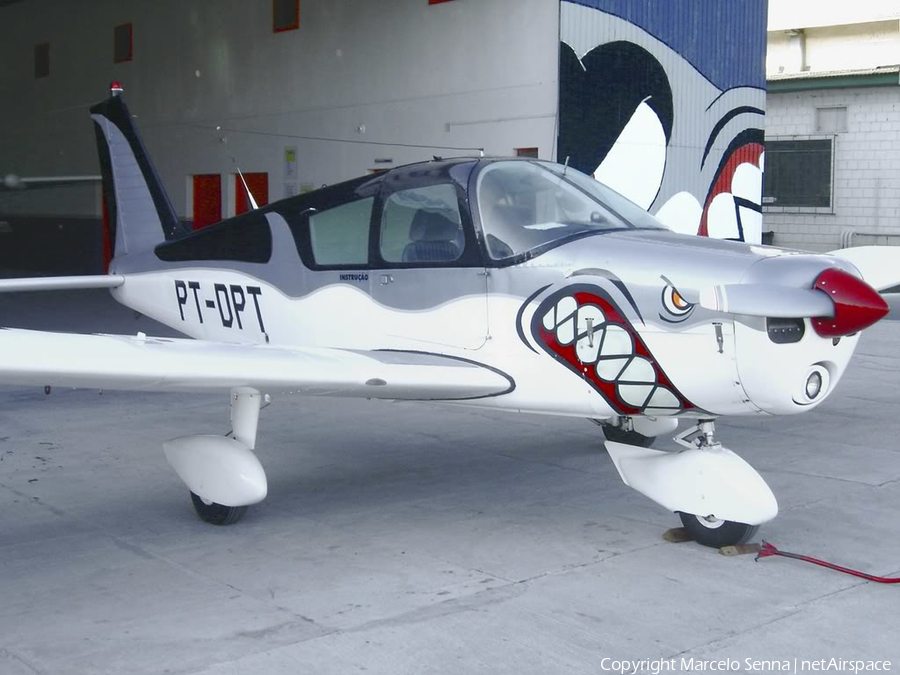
856,304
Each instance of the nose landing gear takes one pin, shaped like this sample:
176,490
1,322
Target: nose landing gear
619,434
710,531
720,498
640,431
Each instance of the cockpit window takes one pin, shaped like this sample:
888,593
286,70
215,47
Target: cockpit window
340,236
422,225
526,205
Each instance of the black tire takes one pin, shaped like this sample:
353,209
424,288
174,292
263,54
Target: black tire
719,533
620,435
217,514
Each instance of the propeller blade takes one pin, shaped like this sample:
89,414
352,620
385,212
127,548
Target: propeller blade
767,300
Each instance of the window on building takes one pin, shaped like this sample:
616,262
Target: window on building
340,236
527,152
122,43
831,120
42,60
422,225
285,15
798,172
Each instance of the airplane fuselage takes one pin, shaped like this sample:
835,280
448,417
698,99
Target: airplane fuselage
639,355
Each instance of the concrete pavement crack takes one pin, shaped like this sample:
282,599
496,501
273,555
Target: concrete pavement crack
12,656
733,634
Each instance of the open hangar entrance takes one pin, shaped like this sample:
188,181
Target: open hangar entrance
308,94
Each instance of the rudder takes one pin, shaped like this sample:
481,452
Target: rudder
136,201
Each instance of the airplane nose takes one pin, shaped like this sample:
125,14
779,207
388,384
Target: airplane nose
856,304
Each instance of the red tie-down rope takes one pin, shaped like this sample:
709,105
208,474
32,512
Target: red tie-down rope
767,550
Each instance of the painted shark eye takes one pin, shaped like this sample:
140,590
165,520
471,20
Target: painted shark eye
674,302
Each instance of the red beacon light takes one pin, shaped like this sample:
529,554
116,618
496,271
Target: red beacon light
115,88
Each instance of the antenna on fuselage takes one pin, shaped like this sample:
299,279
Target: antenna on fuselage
253,204
566,167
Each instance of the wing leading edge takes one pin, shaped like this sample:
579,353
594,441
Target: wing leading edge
140,363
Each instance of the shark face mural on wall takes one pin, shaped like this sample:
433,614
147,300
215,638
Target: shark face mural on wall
665,102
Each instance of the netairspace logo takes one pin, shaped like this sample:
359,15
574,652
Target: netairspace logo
794,666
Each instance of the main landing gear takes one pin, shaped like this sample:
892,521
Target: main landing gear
720,498
217,514
222,472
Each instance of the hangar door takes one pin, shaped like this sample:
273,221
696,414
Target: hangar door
207,195
258,183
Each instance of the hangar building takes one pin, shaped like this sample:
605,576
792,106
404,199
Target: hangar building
664,101
833,125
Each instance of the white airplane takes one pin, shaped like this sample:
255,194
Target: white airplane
517,285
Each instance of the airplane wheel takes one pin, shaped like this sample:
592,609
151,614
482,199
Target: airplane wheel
717,533
620,435
217,514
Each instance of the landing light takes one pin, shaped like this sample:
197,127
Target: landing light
813,385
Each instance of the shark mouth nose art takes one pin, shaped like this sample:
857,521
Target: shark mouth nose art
733,209
583,328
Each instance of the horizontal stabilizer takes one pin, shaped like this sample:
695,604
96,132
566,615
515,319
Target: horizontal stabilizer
61,283
166,364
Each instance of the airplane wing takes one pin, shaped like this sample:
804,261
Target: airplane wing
879,265
140,363
60,283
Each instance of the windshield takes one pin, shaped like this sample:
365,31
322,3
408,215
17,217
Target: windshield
526,205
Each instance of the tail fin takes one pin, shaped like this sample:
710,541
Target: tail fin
137,204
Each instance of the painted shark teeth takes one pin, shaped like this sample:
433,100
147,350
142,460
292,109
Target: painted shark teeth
610,369
663,398
560,318
610,348
635,394
639,370
589,326
588,346
616,342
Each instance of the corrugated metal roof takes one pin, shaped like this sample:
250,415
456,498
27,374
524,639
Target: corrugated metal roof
816,74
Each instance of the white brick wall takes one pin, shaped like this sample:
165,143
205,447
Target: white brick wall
866,189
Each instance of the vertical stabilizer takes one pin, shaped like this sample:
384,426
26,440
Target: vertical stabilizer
139,209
